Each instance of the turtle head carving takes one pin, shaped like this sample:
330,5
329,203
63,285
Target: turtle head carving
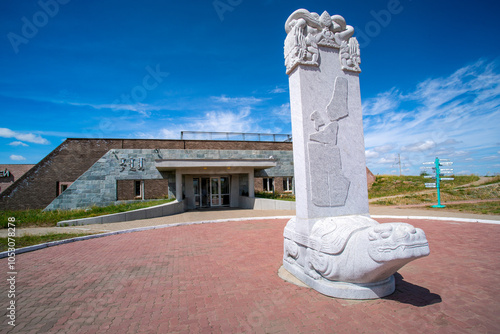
396,241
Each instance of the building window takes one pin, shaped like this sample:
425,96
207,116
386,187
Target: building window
268,184
62,186
287,183
139,189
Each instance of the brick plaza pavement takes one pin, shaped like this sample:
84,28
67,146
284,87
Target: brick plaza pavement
222,278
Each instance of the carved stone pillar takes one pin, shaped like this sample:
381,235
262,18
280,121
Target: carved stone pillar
332,228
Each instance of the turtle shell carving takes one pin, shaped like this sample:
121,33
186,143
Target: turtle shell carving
331,235
358,249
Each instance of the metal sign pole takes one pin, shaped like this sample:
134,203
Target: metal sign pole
437,163
438,182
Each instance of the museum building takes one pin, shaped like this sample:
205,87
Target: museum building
81,173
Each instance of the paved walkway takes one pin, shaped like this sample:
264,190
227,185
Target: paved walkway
227,213
189,216
222,278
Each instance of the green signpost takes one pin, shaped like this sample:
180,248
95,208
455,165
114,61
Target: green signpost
439,172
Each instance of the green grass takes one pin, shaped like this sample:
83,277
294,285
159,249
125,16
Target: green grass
282,196
485,208
390,185
29,218
30,240
449,194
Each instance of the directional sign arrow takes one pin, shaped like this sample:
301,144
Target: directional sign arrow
428,163
449,163
429,177
430,185
447,179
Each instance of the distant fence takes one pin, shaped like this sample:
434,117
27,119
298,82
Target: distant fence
235,136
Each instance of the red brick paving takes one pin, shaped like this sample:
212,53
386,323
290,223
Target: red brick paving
223,278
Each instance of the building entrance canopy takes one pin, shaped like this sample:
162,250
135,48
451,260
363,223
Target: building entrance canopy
199,190
174,164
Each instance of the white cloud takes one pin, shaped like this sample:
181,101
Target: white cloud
145,113
384,148
237,100
489,158
213,121
386,161
459,153
17,157
420,147
278,90
382,103
450,141
456,116
221,114
370,154
282,113
140,108
28,137
18,143
282,110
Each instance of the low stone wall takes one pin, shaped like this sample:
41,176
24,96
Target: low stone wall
151,212
265,204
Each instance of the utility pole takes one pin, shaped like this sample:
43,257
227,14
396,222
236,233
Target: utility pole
399,162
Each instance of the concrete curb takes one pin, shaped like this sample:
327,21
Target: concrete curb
465,220
147,228
161,210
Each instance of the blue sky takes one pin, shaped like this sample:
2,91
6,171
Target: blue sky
430,80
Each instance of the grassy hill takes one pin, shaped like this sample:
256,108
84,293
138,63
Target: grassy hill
390,185
410,190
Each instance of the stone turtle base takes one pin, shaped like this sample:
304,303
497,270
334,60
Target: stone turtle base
344,290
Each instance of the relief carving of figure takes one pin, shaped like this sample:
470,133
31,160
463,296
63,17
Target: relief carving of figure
301,46
350,55
307,31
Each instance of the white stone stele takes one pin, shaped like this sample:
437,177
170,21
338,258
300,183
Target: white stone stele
332,245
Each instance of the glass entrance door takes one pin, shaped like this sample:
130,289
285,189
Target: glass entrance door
211,191
224,190
205,192
215,191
